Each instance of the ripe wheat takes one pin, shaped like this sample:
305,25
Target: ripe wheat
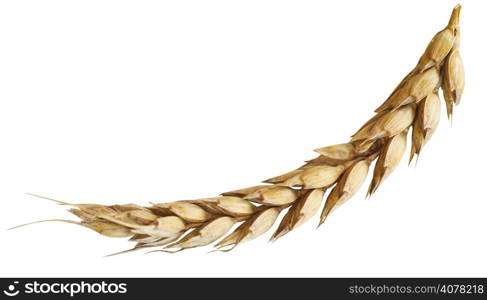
299,193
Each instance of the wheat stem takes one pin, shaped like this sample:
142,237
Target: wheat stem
339,168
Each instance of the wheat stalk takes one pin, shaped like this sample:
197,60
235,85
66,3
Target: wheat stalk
341,168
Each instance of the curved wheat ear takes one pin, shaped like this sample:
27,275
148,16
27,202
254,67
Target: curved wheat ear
299,193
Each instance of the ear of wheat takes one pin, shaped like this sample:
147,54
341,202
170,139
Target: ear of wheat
298,194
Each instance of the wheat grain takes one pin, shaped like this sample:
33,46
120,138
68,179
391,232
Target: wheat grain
389,157
268,195
346,187
453,80
301,211
259,224
343,168
427,119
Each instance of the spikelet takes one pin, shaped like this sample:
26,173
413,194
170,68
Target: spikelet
346,187
427,119
204,235
415,89
343,168
252,228
267,195
453,80
300,212
440,45
388,125
283,177
227,205
315,177
108,229
163,227
186,210
337,154
389,158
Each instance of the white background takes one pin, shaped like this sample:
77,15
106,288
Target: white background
154,101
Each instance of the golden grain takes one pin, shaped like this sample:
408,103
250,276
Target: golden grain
427,119
453,80
347,186
342,167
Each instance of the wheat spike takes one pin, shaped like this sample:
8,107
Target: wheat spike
340,168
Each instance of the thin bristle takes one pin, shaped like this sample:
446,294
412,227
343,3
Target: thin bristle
124,251
50,199
44,221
